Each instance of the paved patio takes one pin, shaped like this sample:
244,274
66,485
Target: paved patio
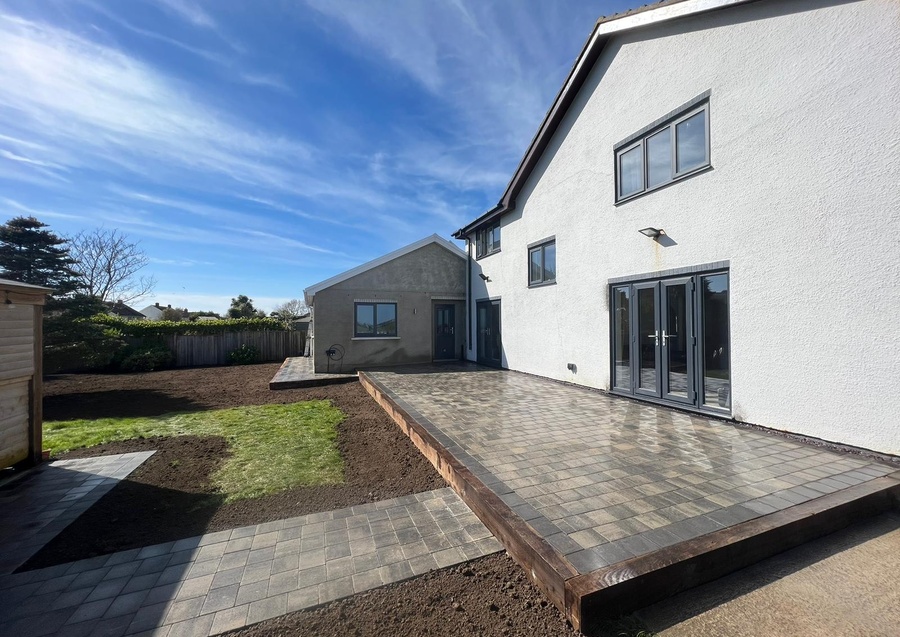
229,579
298,371
604,480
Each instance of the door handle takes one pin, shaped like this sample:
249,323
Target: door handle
451,330
665,337
655,335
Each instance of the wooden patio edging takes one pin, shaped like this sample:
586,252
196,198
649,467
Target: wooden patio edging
637,582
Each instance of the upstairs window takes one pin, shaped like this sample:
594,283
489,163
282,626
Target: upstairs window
375,320
487,240
665,153
542,262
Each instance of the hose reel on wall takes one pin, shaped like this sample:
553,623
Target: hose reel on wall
335,353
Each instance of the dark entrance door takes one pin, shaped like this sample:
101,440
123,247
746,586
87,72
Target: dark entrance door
488,328
444,332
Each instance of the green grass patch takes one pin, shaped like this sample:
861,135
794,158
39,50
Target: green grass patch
274,447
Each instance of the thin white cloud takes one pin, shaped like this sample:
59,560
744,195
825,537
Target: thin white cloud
106,104
267,80
190,11
33,212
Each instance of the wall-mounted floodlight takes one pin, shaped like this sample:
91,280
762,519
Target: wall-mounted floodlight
484,277
653,233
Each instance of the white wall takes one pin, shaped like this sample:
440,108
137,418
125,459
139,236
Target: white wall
803,199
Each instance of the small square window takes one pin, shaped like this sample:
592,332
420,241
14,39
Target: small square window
375,319
542,263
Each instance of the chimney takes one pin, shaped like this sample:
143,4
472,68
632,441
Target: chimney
169,306
156,304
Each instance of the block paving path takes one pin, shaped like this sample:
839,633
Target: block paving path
40,504
229,579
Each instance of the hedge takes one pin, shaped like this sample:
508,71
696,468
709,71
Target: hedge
181,328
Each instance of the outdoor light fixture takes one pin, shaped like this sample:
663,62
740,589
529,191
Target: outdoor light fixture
484,277
653,233
9,303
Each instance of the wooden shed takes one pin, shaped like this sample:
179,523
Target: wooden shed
21,316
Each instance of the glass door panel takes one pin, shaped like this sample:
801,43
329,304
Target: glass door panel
676,334
647,339
622,338
489,346
716,377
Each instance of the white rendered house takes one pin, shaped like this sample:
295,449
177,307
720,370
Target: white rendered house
709,217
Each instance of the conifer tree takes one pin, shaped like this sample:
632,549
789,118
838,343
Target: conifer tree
29,253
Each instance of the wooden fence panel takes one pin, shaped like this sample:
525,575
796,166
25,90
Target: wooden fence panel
213,349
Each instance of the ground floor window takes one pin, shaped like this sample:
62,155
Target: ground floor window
671,339
375,319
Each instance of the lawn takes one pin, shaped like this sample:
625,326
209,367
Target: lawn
273,447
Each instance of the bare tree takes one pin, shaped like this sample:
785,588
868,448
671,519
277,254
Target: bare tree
108,263
290,311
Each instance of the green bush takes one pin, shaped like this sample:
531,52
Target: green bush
243,355
146,358
140,329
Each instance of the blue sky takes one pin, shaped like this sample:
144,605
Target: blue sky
259,147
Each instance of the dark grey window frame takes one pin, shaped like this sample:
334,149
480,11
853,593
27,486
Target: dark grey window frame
484,244
696,273
375,305
540,245
639,139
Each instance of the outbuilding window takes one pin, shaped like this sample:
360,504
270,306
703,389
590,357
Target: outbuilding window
375,320
663,154
487,240
542,262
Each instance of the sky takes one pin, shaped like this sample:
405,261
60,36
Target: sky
260,147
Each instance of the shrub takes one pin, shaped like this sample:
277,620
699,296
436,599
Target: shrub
243,355
146,358
140,329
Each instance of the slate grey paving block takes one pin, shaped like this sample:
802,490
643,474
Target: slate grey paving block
197,627
83,629
448,557
148,618
107,590
112,626
312,558
267,608
251,592
127,604
153,565
282,564
219,599
155,550
237,559
122,570
283,582
423,564
256,556
211,552
337,551
238,544
69,599
587,560
367,580
90,610
305,597
162,593
309,543
244,531
184,609
89,578
195,586
229,619
389,555
182,557
287,547
335,589
172,574
339,567
311,576
215,537
141,583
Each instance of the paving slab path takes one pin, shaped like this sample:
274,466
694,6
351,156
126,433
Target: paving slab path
40,504
229,579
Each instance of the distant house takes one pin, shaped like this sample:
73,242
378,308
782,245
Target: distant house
706,218
155,312
123,311
405,307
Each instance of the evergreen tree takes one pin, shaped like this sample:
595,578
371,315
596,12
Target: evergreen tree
31,254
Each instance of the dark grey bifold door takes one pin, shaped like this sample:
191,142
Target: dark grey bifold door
489,346
670,340
444,332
